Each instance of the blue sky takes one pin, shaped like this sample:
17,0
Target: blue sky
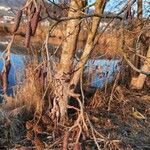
116,5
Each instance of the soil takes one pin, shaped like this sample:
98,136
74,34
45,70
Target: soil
127,122
123,118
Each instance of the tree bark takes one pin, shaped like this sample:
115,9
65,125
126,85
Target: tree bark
71,35
139,50
99,8
139,14
138,83
140,10
61,88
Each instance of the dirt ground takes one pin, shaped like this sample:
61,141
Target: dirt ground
122,117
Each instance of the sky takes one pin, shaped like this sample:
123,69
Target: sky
115,5
112,5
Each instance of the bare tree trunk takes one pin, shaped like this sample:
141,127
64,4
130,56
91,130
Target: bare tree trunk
61,88
139,14
138,83
71,35
99,8
140,10
139,50
69,47
139,27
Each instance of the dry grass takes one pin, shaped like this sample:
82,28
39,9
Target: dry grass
11,127
28,93
108,42
114,124
126,122
16,110
29,100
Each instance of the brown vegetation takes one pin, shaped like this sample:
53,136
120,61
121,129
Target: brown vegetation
53,108
107,42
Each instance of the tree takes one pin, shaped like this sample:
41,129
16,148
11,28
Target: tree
138,83
140,9
67,56
65,75
65,72
69,45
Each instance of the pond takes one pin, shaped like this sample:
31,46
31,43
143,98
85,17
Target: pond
97,72
17,65
101,71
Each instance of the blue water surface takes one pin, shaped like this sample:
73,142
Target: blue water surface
17,65
100,71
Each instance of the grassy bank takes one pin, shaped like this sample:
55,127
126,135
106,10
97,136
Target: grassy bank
119,117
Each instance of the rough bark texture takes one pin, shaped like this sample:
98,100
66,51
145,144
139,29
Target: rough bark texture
71,36
140,12
138,83
67,56
139,49
99,7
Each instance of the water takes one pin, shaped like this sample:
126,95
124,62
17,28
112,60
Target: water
17,65
98,72
101,71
